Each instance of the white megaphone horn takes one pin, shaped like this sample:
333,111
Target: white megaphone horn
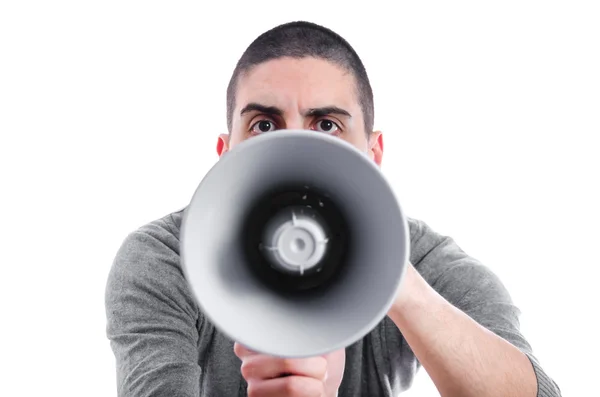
294,244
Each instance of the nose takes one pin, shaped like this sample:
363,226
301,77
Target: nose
295,122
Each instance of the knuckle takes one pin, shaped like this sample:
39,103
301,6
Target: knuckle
251,390
238,349
321,365
247,369
242,351
292,386
287,365
302,387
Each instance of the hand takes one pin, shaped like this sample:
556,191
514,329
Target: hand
276,377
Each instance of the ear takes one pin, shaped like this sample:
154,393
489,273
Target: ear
222,144
376,147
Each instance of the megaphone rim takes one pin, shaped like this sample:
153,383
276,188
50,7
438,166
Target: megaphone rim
282,134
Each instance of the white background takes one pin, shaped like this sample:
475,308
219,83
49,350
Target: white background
109,113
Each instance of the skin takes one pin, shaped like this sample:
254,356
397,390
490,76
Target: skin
461,357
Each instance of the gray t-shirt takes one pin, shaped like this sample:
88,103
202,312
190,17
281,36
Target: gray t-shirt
164,346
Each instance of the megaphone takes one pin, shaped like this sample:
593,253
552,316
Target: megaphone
294,244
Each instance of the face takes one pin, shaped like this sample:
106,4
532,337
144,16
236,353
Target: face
305,94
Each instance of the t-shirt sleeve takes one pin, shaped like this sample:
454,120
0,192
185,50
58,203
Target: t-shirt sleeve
474,289
152,318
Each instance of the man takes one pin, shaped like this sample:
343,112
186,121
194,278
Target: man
452,315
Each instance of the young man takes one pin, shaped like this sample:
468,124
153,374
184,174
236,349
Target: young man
452,315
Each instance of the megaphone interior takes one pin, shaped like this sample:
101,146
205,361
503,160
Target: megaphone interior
294,244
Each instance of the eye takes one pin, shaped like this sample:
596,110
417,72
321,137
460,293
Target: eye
327,126
263,126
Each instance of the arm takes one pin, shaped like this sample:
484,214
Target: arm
151,319
462,326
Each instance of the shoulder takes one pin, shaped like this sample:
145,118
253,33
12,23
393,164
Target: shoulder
423,236
158,236
426,243
146,268
148,253
438,257
449,269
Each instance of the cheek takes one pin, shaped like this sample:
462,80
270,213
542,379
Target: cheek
237,137
358,142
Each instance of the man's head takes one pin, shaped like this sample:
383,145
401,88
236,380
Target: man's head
301,76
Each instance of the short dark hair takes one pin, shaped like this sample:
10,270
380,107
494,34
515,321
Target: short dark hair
302,39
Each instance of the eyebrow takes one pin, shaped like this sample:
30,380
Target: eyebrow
257,107
275,111
324,111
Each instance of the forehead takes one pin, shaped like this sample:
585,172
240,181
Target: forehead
292,83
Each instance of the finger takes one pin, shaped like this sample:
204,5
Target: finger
266,367
242,351
336,363
291,386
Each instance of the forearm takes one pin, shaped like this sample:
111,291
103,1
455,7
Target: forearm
461,357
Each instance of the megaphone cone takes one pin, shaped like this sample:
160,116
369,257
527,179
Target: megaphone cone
294,244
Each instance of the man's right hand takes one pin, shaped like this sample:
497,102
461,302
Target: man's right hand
277,377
